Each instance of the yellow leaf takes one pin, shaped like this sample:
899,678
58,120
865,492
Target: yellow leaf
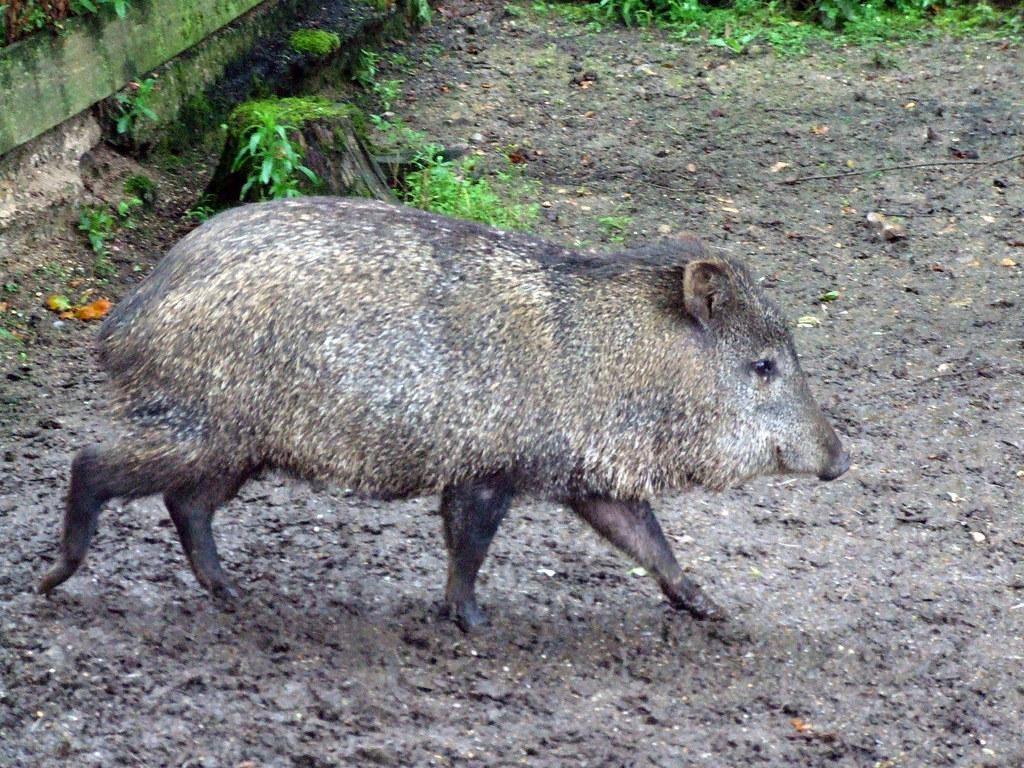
57,303
1007,262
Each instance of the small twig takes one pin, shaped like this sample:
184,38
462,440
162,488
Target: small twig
901,167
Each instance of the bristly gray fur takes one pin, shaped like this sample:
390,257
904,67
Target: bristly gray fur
396,352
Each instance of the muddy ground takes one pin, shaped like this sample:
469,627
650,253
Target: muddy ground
874,621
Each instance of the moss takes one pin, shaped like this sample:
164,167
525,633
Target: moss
294,111
315,42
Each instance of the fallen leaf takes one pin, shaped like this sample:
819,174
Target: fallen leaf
808,321
95,310
57,303
800,726
1007,262
820,130
829,296
779,166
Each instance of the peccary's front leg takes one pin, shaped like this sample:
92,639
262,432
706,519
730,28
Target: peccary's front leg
472,512
633,528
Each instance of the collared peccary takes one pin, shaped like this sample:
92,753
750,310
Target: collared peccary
397,352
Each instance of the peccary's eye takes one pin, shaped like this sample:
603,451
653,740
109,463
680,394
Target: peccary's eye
764,368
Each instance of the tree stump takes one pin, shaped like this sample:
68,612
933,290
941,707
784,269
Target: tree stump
326,138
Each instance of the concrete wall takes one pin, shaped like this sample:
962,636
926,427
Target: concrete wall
47,78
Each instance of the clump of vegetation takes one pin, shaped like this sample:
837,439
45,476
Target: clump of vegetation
419,11
436,182
20,18
456,189
142,188
315,42
134,104
269,154
99,224
787,26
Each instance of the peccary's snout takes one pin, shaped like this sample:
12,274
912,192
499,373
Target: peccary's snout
839,459
838,466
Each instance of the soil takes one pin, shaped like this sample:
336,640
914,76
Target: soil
877,620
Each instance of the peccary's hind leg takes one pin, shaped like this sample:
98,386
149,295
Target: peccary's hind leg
192,506
472,512
99,474
633,528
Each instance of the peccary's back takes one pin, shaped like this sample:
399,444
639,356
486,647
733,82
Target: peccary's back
390,349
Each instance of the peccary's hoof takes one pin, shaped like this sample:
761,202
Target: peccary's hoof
707,610
468,616
56,576
688,596
225,594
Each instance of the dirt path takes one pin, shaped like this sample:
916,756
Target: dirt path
876,621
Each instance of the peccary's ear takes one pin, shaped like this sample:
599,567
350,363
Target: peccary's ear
707,287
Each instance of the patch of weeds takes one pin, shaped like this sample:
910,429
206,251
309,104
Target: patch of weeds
459,189
125,208
399,60
387,92
615,227
271,161
99,226
93,6
54,271
201,211
419,11
133,103
788,26
314,42
103,268
142,188
366,68
367,71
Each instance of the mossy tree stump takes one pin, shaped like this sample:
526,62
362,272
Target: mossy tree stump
327,138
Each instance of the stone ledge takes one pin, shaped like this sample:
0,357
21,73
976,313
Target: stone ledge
46,79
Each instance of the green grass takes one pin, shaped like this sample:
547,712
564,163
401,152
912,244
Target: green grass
457,189
788,26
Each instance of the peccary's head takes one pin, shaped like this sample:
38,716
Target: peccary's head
762,417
